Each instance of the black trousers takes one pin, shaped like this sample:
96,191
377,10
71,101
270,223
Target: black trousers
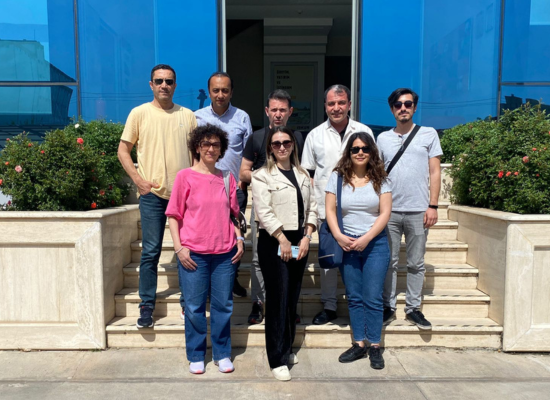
283,282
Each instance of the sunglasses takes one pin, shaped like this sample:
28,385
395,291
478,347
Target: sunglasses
206,145
399,104
355,150
158,81
285,143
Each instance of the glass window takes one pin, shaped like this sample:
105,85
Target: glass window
121,41
447,54
514,96
37,41
526,48
35,109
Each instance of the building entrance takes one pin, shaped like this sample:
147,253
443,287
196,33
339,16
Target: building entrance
301,48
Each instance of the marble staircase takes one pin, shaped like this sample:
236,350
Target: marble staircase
451,301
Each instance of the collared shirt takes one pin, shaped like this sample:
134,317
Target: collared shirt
322,150
236,123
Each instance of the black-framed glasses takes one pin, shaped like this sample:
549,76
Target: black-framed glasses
399,104
158,81
285,143
364,149
205,145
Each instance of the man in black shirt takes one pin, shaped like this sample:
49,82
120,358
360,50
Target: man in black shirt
278,110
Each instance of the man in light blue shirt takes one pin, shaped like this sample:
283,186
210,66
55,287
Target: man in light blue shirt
237,124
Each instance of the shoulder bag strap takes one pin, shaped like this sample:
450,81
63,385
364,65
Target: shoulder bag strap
226,183
339,203
402,149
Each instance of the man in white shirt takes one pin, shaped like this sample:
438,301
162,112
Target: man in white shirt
322,150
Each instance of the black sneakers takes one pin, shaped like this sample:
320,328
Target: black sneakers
355,352
238,290
146,317
389,316
257,314
324,317
376,359
417,318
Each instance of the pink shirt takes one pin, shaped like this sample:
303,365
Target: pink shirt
199,203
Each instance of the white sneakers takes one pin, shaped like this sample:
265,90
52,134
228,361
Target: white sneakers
281,373
225,365
196,368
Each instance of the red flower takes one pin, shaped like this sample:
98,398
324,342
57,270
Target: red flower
516,173
525,159
1,181
67,172
534,149
102,154
508,173
30,144
110,187
93,205
102,192
80,140
42,151
8,139
7,163
500,174
538,175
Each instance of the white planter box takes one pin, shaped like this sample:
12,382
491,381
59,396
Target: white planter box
59,272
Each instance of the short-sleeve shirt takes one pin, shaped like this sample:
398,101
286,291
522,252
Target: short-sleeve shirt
255,150
410,175
161,140
200,205
236,123
322,151
360,207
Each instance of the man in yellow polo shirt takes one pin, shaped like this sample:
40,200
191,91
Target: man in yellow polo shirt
160,130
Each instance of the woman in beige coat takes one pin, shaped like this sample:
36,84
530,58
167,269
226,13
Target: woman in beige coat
284,203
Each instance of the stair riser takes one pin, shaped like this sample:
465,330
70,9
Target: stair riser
435,234
466,281
308,309
313,340
432,256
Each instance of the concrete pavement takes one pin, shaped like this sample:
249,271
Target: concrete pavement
163,374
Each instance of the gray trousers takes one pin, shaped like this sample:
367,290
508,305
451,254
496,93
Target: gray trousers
412,225
257,287
329,283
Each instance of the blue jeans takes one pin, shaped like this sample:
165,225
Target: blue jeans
153,221
214,275
363,274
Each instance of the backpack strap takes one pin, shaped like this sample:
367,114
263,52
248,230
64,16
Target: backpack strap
403,148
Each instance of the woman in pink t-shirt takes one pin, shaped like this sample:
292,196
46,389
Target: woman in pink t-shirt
207,245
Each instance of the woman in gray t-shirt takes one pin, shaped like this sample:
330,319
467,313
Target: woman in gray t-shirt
366,208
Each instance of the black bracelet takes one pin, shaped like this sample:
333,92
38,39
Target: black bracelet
432,206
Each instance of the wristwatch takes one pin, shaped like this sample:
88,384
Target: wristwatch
432,206
309,237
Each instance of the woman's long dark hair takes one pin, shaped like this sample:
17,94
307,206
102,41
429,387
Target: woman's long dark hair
375,167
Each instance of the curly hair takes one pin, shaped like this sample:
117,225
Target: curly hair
201,133
375,167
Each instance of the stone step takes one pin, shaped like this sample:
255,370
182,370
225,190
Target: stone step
446,332
441,276
443,230
437,303
437,252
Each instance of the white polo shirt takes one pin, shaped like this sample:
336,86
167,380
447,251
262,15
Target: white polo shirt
322,151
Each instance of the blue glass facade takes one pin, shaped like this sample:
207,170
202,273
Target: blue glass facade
62,58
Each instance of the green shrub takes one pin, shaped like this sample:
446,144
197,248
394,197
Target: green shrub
502,165
73,169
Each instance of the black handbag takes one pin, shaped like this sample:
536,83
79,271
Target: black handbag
330,252
239,221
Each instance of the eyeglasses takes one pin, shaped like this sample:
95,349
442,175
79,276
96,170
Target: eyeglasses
285,143
206,145
158,81
355,150
399,104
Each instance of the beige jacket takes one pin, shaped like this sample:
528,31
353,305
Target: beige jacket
275,200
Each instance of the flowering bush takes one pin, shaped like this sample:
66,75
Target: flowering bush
73,169
502,165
